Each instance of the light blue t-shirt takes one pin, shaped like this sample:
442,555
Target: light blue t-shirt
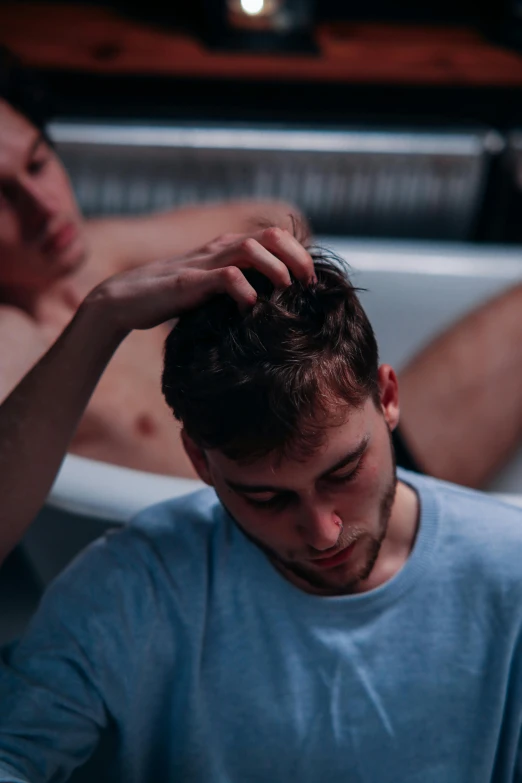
209,667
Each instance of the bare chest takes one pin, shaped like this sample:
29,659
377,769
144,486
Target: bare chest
127,421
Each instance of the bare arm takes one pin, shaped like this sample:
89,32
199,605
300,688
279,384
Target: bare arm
139,240
460,397
21,346
39,417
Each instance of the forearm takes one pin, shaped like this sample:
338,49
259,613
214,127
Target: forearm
38,419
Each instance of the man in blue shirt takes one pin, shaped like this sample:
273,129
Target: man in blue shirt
313,614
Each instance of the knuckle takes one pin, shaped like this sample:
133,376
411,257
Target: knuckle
248,245
274,234
231,274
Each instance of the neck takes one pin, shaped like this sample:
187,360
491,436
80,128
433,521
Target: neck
399,540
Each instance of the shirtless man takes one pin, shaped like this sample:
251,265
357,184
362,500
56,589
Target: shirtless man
40,415
50,258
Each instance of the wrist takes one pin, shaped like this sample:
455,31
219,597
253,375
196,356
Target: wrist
98,313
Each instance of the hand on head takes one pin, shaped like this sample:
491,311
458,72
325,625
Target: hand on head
152,294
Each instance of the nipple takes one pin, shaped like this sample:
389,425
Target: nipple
146,425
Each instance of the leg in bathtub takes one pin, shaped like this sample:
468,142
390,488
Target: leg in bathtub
461,398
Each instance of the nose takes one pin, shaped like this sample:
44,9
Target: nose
320,527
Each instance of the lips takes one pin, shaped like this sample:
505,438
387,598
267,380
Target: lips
337,559
59,239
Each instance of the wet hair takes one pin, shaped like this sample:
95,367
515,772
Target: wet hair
24,91
271,381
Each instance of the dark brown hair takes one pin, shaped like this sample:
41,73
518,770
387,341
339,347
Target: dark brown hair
24,90
269,380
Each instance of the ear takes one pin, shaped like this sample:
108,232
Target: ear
389,395
198,458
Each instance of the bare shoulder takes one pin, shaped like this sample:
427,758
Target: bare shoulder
21,345
105,237
120,243
125,242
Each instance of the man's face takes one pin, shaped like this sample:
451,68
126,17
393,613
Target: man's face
321,522
41,230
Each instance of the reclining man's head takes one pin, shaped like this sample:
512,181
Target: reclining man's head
41,229
287,414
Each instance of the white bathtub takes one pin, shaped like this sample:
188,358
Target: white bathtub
413,291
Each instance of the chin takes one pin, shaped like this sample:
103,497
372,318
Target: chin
69,259
343,579
338,581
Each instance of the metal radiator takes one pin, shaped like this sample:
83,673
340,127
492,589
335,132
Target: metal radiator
349,182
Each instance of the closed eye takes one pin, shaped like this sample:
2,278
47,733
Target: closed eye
283,499
345,477
277,501
37,165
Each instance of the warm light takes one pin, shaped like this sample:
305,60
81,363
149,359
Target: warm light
252,7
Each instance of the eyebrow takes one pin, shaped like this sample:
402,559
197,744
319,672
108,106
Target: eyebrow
353,455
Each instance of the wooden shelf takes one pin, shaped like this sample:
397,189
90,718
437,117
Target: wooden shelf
94,39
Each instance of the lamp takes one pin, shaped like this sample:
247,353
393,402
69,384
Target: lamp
261,24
